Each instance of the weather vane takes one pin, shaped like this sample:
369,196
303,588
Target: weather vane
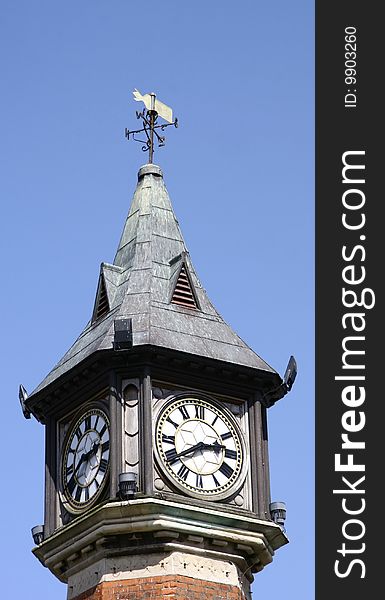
149,115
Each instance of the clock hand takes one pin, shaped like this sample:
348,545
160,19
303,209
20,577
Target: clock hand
81,460
81,470
85,456
214,446
92,451
199,446
89,466
94,448
189,450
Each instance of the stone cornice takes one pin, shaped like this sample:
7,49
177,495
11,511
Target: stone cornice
148,525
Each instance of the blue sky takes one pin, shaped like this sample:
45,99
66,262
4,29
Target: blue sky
240,173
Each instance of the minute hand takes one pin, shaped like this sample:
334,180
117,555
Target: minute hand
200,446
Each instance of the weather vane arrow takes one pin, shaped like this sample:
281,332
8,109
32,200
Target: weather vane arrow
163,110
154,108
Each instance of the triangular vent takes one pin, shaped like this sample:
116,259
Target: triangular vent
183,291
102,306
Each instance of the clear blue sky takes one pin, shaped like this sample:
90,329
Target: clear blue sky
239,171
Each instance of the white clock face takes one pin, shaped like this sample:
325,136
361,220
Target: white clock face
200,447
86,459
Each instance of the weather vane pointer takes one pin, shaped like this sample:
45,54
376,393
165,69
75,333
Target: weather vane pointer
154,108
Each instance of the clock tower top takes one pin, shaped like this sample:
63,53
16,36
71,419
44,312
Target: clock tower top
152,291
157,470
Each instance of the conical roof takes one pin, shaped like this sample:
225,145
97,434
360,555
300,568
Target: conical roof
153,282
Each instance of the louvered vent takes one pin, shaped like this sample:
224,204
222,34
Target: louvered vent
183,293
102,306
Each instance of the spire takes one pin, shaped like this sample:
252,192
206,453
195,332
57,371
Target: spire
152,282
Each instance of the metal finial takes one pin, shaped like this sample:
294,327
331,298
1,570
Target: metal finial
149,115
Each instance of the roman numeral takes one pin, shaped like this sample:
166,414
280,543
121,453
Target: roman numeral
199,411
184,412
227,435
70,469
103,430
171,456
103,466
231,454
168,439
96,422
183,472
87,492
215,420
172,422
226,470
199,482
78,433
88,422
71,484
78,493
105,446
217,484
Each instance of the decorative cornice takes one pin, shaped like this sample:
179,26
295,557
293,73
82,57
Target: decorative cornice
147,525
236,378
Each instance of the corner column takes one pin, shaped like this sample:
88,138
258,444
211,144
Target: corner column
147,477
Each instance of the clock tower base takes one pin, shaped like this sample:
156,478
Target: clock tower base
173,576
158,548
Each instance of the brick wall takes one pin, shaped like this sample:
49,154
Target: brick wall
172,587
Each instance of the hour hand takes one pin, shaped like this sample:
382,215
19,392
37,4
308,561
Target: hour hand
94,448
87,455
216,447
199,446
92,451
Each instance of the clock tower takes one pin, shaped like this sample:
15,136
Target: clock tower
157,471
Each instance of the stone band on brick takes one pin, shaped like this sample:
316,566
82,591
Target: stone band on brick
166,587
127,571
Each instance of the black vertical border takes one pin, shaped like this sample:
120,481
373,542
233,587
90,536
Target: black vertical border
340,129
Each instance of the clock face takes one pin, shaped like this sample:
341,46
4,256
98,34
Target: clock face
200,447
86,459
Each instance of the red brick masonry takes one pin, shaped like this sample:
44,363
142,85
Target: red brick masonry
171,587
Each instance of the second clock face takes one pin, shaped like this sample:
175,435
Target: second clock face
200,447
86,458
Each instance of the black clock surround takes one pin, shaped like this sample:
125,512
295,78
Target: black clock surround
85,458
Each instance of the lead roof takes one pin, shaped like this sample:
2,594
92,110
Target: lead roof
140,284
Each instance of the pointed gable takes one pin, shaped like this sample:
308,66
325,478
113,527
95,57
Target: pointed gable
102,306
107,293
183,291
